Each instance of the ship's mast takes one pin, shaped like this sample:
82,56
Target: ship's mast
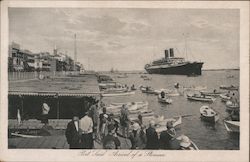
185,38
75,53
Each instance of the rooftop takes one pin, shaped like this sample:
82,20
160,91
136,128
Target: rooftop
82,85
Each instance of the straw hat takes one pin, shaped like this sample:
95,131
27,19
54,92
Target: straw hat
185,142
136,126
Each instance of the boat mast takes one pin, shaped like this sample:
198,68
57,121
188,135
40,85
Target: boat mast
185,38
75,54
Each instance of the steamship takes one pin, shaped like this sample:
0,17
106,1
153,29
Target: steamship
171,65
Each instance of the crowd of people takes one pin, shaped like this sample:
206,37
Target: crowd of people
105,130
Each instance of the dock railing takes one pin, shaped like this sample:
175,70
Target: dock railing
18,76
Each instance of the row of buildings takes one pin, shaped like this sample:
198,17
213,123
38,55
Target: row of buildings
25,60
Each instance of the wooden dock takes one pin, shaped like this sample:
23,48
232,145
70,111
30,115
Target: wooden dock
52,142
57,140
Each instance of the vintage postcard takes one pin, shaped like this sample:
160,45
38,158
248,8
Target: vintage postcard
124,81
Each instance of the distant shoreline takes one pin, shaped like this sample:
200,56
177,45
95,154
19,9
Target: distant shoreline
138,71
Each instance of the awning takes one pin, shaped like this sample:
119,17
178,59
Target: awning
52,94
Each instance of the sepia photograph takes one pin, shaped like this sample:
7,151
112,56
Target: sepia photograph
129,77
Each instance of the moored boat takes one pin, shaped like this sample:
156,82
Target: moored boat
208,114
185,143
149,91
118,94
164,100
200,98
161,126
231,87
224,97
232,126
214,93
230,106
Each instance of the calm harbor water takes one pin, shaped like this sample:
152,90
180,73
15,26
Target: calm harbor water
206,136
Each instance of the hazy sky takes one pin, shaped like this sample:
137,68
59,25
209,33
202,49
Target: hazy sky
127,39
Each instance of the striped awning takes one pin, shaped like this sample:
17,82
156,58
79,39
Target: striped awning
52,94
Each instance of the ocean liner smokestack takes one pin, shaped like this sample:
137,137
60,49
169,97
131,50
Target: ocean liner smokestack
171,52
166,53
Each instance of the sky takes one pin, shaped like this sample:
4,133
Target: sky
128,38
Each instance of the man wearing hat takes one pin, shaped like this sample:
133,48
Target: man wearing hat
152,137
111,141
137,137
45,113
167,136
72,133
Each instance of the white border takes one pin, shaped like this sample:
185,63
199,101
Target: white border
69,155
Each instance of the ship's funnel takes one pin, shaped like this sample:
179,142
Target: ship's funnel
166,53
171,52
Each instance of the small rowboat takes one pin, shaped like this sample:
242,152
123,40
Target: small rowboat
184,143
200,98
149,91
214,93
118,94
130,103
164,100
232,126
161,126
208,114
195,88
231,87
232,106
224,98
25,135
131,107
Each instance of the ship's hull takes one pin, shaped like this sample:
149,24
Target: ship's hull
183,69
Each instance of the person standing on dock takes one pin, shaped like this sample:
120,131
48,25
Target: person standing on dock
86,128
72,133
111,141
167,136
95,118
124,121
137,137
103,119
45,113
152,137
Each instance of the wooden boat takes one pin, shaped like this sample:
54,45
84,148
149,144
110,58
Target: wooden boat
232,126
177,142
129,103
208,114
131,107
149,91
231,87
164,100
144,114
195,88
224,98
118,94
25,135
232,106
214,93
200,98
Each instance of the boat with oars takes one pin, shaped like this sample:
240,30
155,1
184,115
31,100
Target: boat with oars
208,114
232,126
164,100
201,98
230,106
